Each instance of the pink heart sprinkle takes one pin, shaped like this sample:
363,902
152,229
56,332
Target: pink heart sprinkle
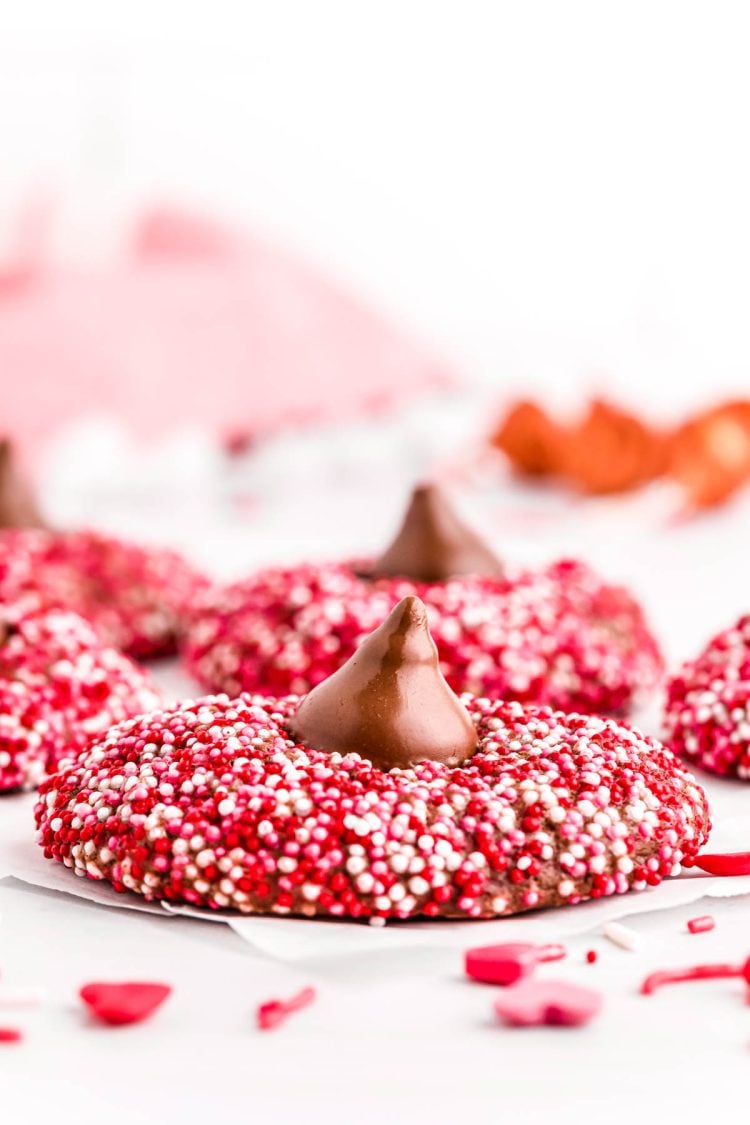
128,1002
507,963
555,1003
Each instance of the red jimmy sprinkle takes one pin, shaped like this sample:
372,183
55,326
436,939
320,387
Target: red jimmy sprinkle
274,1012
701,925
694,972
723,863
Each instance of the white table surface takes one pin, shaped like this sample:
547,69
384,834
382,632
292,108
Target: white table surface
395,1035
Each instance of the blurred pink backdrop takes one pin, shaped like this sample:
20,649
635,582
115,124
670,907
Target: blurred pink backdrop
194,322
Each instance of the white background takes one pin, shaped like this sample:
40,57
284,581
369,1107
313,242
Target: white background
558,193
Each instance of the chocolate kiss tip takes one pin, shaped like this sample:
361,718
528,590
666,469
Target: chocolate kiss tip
433,544
17,505
390,702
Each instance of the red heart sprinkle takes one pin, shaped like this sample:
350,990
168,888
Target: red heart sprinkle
128,1002
555,1003
505,964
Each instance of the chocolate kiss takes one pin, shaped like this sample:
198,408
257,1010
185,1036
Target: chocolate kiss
17,505
389,702
434,544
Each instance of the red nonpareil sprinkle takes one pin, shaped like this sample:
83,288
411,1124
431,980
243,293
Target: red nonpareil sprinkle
724,863
505,964
554,1003
274,1012
128,1002
10,1035
591,956
701,925
694,972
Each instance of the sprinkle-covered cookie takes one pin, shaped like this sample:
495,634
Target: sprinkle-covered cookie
707,715
136,597
380,795
559,636
60,687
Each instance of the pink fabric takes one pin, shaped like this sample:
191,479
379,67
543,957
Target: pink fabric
196,323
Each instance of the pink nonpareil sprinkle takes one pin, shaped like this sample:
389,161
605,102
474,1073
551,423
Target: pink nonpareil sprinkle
274,1012
591,956
701,925
554,1003
507,963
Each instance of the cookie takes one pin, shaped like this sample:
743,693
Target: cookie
60,687
136,597
707,713
558,636
379,795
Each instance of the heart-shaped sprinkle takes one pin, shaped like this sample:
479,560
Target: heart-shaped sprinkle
507,963
127,1002
555,1003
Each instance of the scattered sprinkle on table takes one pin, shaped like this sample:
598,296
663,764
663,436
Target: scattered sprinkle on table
701,925
622,936
719,971
546,1002
723,863
272,1013
509,962
123,1003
